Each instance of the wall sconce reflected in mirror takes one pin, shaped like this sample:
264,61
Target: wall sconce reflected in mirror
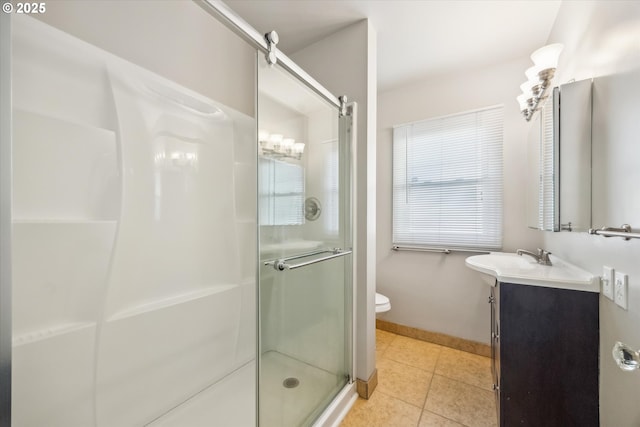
539,78
276,145
627,358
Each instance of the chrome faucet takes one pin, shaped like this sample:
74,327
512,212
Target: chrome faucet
542,257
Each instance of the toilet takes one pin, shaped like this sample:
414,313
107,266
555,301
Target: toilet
382,303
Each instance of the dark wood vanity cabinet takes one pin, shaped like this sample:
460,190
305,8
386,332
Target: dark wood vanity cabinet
545,347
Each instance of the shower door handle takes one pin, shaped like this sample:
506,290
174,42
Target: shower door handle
281,264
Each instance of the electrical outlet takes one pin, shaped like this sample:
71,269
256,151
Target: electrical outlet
607,282
620,289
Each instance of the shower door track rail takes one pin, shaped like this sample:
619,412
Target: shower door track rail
242,28
281,264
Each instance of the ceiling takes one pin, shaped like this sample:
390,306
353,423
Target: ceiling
416,38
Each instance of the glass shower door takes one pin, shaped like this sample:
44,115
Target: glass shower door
305,250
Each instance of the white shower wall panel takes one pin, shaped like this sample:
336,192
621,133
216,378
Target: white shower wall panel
57,76
64,170
53,379
177,231
59,275
135,242
154,360
246,343
225,403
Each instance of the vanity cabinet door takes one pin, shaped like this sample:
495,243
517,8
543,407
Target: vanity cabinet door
548,356
494,301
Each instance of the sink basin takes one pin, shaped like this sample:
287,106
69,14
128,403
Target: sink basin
524,270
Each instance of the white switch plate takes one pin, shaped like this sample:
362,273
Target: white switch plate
607,282
620,289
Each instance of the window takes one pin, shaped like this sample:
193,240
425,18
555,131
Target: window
281,192
331,190
447,181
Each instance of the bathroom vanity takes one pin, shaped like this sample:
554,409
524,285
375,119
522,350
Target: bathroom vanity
544,341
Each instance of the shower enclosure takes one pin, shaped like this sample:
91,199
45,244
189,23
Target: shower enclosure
305,256
168,259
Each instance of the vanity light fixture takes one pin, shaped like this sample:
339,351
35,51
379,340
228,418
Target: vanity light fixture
539,78
276,145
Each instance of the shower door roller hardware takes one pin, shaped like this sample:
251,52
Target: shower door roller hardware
627,358
272,39
343,105
281,264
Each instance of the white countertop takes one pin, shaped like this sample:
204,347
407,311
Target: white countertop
524,270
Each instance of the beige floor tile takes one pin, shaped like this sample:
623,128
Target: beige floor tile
383,339
382,411
468,405
412,352
403,381
429,419
465,367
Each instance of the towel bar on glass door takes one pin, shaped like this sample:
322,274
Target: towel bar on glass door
281,264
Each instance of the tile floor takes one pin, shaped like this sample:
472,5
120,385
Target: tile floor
426,385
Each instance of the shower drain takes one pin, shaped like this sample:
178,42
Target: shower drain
291,382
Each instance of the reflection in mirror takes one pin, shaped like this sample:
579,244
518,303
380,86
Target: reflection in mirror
281,192
542,186
559,151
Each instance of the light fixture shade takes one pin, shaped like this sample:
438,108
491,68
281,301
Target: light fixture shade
522,100
547,56
298,147
287,144
532,73
527,87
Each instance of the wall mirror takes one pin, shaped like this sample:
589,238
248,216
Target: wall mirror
559,150
616,167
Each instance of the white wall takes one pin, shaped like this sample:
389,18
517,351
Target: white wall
345,63
602,40
436,292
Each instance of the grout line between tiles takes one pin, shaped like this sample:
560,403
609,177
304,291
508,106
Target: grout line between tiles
433,374
426,396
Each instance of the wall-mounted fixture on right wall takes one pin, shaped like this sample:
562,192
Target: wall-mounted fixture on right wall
539,78
626,357
559,160
625,231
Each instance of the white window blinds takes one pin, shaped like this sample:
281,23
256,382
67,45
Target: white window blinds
281,192
447,181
